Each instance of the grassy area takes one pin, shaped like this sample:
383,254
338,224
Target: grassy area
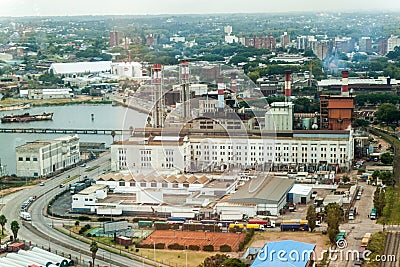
70,179
391,211
169,257
92,168
175,258
55,102
377,247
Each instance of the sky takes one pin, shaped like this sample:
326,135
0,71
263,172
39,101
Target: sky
16,8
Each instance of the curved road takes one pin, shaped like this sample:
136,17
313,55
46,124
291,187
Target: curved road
40,230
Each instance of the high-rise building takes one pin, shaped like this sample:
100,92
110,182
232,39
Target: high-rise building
114,38
285,39
365,44
392,42
268,42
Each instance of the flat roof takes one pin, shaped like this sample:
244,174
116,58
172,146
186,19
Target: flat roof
92,189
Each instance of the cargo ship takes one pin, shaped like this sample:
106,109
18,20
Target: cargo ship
27,117
15,107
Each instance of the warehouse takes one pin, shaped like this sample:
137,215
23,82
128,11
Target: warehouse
259,196
300,194
75,69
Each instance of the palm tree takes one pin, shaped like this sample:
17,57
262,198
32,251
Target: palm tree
3,221
14,228
94,248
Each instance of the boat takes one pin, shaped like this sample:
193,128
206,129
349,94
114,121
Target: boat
27,117
15,107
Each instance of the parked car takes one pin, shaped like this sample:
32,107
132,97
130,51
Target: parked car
41,184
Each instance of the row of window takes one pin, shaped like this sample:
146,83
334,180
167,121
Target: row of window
27,159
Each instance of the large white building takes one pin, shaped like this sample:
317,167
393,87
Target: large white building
43,157
299,150
48,93
75,69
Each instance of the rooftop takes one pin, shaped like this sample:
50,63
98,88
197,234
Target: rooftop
263,190
92,189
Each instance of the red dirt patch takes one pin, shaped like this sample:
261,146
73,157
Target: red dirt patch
187,238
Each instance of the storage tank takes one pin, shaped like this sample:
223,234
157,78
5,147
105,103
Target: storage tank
51,256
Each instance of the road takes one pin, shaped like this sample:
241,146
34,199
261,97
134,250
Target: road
355,229
40,230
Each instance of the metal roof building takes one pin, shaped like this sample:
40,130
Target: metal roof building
262,195
78,68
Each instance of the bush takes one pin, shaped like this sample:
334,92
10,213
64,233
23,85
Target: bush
83,218
176,246
104,219
208,248
225,248
144,245
160,246
194,247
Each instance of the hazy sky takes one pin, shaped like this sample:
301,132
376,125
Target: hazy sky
122,7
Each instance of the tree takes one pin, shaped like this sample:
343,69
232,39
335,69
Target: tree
77,223
311,217
375,175
94,248
214,261
387,158
345,179
334,215
376,200
361,123
387,178
3,221
233,262
15,228
388,113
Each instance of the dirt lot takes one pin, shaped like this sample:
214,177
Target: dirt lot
321,241
195,238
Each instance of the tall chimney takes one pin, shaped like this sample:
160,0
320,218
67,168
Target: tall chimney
288,89
345,83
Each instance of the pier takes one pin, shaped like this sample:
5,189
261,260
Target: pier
64,131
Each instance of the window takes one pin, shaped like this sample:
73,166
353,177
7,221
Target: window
20,159
35,159
35,174
122,183
132,184
28,159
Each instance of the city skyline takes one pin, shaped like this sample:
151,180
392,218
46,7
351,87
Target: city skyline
17,8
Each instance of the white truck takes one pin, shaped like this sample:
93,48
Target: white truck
25,215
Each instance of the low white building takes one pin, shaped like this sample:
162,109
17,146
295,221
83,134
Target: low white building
43,157
300,194
128,70
86,199
198,89
56,93
74,69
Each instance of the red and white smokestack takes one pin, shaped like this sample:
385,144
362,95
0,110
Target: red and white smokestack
157,74
221,102
345,83
288,86
184,71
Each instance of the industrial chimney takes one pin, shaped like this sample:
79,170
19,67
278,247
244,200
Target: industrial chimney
345,83
288,89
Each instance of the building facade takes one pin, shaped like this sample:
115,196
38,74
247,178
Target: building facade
40,158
